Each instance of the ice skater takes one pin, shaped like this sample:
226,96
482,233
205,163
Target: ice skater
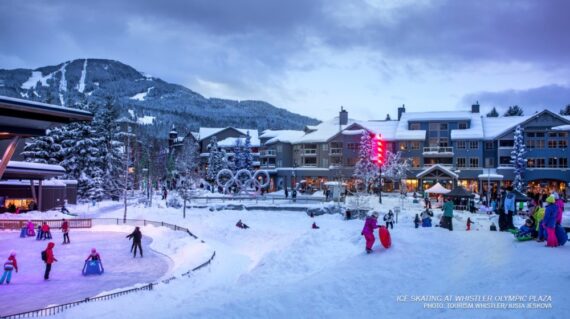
65,230
136,236
48,258
10,265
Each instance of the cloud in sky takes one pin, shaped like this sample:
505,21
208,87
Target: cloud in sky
310,56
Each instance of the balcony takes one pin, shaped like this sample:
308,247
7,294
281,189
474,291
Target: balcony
267,153
335,152
438,151
309,152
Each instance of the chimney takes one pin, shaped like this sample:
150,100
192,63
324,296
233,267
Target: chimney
342,116
401,110
475,107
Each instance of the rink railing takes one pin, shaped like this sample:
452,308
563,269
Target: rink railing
53,310
17,224
256,199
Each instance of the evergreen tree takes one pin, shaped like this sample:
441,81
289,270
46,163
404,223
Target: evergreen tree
514,110
366,169
493,113
187,166
565,110
111,147
216,159
45,149
237,162
518,159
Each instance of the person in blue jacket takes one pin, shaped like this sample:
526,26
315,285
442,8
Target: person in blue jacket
549,221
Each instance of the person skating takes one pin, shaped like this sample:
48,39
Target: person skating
389,219
136,236
417,221
469,222
49,259
65,230
448,214
549,222
370,224
10,265
241,225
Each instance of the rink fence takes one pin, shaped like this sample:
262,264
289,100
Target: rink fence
88,223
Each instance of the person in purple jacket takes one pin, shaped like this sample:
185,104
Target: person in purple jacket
370,224
549,221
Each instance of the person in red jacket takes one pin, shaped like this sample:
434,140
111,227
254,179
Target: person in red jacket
45,231
9,265
469,222
94,255
65,230
50,259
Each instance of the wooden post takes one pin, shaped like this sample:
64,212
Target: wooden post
40,195
33,191
8,154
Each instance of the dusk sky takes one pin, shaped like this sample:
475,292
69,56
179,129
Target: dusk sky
311,57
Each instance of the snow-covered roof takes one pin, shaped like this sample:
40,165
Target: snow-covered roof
475,130
206,132
35,166
285,136
231,141
495,126
386,128
433,168
490,176
17,182
562,128
404,133
324,131
44,105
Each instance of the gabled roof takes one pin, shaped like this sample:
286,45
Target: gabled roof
522,120
323,132
439,167
206,132
283,136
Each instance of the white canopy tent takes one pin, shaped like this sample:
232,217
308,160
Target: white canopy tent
437,189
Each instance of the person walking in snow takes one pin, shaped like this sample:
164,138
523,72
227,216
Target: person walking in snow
10,265
286,193
389,219
448,214
469,222
370,224
49,259
65,230
136,236
417,221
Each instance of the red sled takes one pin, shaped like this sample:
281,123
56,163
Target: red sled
385,238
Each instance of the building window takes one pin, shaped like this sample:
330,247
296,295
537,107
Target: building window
473,162
310,161
505,161
325,147
489,162
325,162
461,162
462,125
534,144
552,162
473,145
414,126
536,162
280,163
555,162
279,148
506,143
563,162
443,127
562,144
353,146
434,126
415,145
415,162
460,145
443,142
489,145
403,146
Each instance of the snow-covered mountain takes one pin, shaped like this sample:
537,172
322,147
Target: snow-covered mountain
150,99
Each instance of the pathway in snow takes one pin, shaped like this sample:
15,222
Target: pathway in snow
28,290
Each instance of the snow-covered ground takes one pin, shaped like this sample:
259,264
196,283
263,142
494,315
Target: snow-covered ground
281,268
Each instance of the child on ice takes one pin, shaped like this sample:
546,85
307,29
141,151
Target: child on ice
93,256
10,265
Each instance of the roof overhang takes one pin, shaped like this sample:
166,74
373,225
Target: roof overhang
25,170
27,118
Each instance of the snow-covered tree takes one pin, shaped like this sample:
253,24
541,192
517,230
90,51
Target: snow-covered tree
366,169
518,159
216,159
565,110
187,166
247,157
514,110
493,113
45,149
395,167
